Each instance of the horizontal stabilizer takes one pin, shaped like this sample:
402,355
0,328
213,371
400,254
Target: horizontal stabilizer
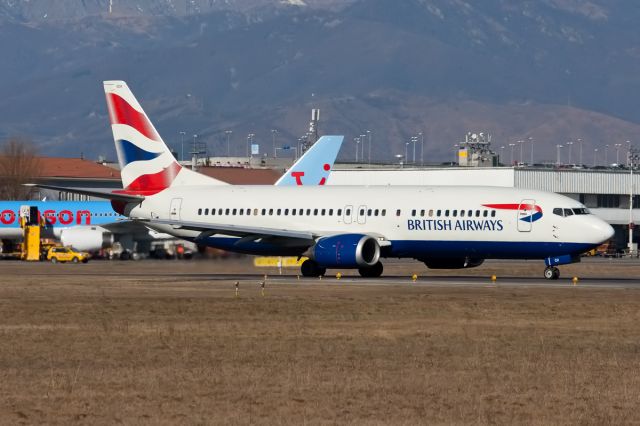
109,195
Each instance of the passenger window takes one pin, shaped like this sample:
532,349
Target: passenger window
330,212
278,212
255,212
422,213
361,212
455,213
439,213
308,212
264,212
369,212
301,212
248,212
234,211
270,212
493,213
199,212
375,212
384,212
413,212
446,213
348,212
339,212
477,213
226,212
241,212
470,213
430,213
219,212
461,213
398,212
293,212
485,213
213,212
322,212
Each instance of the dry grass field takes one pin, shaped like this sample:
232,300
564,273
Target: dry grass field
124,343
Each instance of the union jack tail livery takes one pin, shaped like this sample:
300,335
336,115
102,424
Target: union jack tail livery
146,163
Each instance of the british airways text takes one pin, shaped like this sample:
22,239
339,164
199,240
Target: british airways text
451,225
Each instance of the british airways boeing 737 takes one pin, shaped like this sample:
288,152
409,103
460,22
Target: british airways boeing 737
342,227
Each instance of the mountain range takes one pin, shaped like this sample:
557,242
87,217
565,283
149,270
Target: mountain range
549,70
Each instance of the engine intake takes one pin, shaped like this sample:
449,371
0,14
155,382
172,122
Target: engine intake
346,251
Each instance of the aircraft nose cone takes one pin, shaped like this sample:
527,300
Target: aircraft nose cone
604,231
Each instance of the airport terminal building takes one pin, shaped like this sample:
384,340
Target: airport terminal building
604,191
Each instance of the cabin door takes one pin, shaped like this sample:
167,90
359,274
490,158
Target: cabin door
362,215
174,210
348,211
526,210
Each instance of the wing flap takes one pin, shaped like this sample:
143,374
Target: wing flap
249,232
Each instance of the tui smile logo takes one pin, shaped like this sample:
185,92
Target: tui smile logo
528,212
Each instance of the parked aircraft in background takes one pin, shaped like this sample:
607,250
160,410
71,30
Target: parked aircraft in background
347,226
92,225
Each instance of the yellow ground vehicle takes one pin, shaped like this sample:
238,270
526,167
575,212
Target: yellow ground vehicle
66,254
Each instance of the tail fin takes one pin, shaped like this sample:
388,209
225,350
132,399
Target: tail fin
314,167
146,163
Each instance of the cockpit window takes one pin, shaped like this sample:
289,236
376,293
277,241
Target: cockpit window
570,212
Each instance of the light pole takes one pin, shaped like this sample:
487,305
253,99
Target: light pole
570,145
511,145
194,154
406,150
521,142
369,153
421,148
414,139
634,157
228,133
357,141
502,154
580,142
363,140
455,153
558,159
606,154
628,151
273,141
531,143
618,145
182,145
595,156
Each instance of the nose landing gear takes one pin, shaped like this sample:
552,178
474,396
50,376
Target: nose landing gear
551,273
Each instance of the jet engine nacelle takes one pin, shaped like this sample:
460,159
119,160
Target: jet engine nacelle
453,263
346,251
86,238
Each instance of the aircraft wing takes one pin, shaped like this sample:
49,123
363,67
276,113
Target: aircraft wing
117,195
251,232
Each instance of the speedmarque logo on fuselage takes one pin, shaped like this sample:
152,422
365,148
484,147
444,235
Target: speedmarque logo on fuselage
455,225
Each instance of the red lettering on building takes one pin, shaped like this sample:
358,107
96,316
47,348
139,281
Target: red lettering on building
65,217
7,217
87,217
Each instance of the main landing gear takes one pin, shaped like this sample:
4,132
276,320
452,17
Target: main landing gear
311,268
551,273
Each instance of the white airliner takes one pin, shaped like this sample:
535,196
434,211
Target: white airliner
343,227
